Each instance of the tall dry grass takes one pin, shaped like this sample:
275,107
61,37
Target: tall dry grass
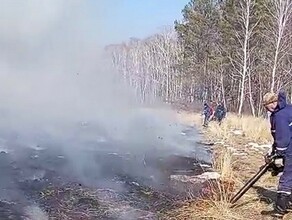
252,128
216,205
223,163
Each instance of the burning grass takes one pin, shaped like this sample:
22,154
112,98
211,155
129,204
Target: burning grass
74,201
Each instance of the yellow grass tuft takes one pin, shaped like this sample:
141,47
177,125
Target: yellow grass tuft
222,162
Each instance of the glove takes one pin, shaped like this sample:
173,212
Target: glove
275,170
272,156
273,153
277,166
269,157
276,163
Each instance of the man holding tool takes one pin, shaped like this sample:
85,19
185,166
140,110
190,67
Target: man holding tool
281,129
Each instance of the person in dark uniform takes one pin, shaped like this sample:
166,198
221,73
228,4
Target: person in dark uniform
220,112
207,112
281,130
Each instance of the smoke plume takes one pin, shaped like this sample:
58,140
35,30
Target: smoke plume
54,78
58,90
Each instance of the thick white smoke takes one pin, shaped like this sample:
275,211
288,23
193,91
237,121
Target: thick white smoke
54,80
53,76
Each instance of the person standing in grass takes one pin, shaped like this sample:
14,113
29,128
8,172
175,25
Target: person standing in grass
281,130
220,112
207,112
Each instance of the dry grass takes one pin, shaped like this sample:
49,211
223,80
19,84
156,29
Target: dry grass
205,209
252,128
222,162
214,202
234,170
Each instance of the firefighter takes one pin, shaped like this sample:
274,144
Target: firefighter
220,112
207,112
281,130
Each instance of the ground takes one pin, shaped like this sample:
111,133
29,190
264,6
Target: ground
42,180
239,146
93,176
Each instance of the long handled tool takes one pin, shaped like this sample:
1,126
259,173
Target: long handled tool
268,166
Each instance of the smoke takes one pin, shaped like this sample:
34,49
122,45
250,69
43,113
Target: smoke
54,79
35,213
59,92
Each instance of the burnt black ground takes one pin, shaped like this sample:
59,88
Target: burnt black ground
110,184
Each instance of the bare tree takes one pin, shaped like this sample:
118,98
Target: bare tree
232,51
281,11
240,61
149,65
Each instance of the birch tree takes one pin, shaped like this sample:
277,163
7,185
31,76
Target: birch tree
281,11
243,26
222,50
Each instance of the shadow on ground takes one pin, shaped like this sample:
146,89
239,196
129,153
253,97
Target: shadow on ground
266,195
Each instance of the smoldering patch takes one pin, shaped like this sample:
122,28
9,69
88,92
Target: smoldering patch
34,212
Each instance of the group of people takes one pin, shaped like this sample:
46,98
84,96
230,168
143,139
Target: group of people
210,113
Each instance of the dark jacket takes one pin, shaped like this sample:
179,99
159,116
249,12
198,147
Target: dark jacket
207,110
281,125
220,111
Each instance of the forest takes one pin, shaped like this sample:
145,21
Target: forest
232,51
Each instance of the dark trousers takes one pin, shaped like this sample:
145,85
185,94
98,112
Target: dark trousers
285,186
206,119
220,118
285,182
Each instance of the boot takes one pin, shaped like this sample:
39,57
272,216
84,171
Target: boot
281,206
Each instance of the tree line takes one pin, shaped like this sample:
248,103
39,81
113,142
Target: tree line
222,50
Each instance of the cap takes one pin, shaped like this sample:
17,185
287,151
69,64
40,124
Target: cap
269,98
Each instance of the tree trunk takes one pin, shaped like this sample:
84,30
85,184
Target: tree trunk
251,102
223,90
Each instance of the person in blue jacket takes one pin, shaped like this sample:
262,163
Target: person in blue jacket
207,112
220,112
281,130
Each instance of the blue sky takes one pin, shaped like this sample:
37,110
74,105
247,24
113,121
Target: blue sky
122,19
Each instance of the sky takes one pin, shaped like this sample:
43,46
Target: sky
122,19
101,21
52,68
